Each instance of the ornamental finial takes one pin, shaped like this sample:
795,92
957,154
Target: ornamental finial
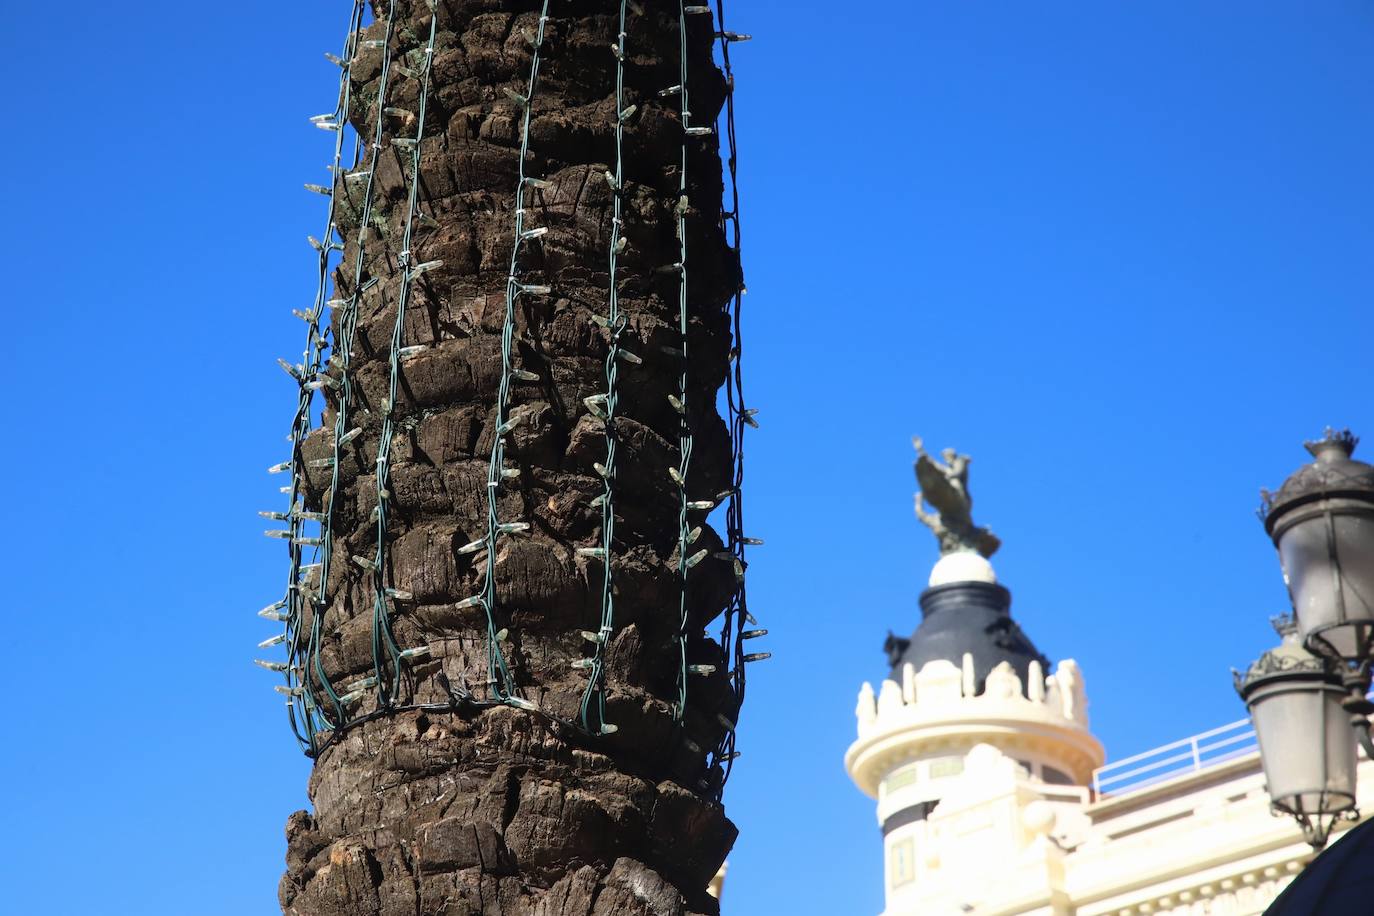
1333,443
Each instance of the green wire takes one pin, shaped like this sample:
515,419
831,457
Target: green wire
311,717
383,640
500,684
593,709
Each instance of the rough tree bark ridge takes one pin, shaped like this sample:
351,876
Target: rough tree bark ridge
498,811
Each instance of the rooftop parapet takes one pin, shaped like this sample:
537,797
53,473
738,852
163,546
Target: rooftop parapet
940,690
940,708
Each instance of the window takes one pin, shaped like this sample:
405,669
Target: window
899,780
946,766
901,863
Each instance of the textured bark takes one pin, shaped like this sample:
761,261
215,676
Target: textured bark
497,810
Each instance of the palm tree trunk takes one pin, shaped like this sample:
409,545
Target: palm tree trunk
463,763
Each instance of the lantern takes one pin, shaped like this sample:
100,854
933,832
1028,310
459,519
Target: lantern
1322,522
1307,744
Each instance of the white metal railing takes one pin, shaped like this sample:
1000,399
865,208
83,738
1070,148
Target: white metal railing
1177,759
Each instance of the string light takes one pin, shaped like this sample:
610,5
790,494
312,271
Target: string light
500,685
679,400
321,709
736,615
307,717
592,712
275,612
384,645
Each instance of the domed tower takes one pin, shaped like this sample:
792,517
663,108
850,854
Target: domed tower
976,749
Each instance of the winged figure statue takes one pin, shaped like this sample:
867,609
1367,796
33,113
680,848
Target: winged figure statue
944,487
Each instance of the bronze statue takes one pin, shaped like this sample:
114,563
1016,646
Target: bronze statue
945,488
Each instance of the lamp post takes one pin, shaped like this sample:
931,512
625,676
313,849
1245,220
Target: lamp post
1308,697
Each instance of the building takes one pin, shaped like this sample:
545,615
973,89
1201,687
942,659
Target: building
992,794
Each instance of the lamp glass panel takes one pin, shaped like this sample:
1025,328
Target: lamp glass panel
1306,744
1330,571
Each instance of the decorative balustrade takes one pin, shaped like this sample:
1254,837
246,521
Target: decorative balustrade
1178,758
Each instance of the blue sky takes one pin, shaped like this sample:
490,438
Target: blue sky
1119,252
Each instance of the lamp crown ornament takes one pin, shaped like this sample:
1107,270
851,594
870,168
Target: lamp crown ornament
1332,443
1333,473
1288,657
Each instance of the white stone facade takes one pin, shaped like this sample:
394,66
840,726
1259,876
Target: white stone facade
1020,830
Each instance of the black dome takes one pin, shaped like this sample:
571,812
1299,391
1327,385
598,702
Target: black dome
972,617
1339,882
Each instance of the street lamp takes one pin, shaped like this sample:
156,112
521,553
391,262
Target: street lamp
1322,522
1296,699
1307,695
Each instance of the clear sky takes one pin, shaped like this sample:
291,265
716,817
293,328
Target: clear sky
1118,251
